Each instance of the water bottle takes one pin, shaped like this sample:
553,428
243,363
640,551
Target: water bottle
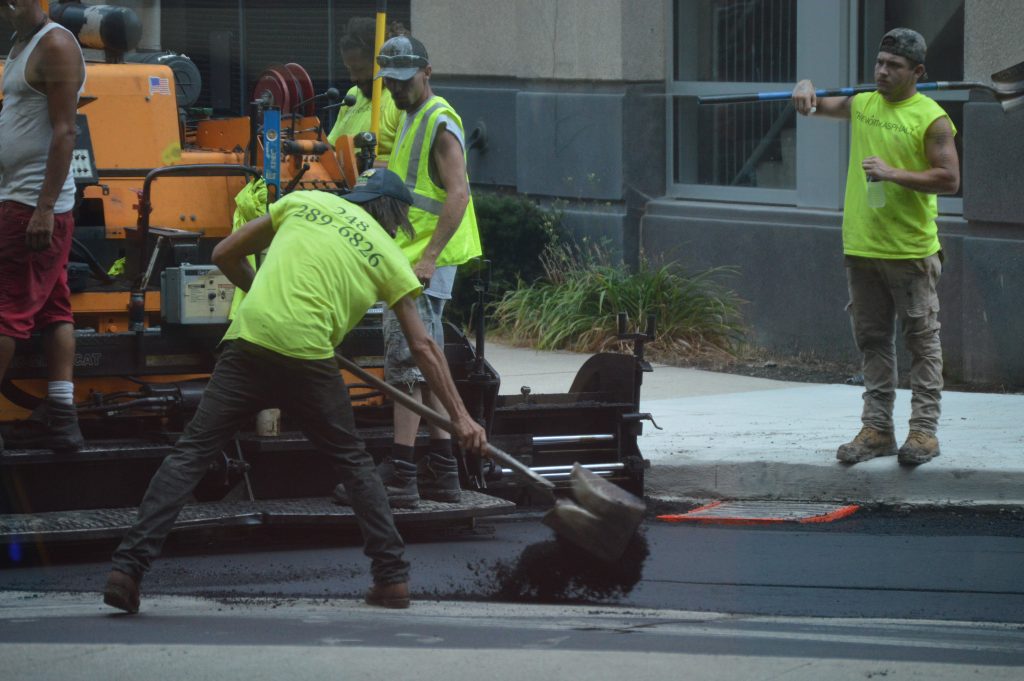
876,193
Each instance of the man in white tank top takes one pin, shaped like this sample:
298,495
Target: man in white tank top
42,79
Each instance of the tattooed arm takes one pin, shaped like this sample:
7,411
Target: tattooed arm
944,175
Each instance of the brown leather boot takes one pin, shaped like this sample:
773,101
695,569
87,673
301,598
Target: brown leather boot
868,444
121,592
389,595
919,448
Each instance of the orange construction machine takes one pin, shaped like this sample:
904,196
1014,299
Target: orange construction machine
156,186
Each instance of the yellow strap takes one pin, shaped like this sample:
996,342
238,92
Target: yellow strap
375,101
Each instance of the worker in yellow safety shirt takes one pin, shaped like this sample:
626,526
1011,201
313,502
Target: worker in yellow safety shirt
902,156
328,259
357,55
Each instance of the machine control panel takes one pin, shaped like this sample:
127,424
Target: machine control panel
83,162
195,294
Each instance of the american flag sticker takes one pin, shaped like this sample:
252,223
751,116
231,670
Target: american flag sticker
159,86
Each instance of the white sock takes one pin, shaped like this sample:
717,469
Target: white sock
62,392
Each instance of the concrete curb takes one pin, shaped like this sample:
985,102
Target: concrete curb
890,484
735,437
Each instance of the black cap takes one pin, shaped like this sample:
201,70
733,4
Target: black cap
401,57
377,182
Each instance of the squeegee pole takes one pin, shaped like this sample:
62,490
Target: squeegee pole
835,92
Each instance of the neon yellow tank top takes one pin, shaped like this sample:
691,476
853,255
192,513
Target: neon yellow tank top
904,228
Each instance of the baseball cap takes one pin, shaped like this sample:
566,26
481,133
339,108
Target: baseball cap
904,42
377,182
401,57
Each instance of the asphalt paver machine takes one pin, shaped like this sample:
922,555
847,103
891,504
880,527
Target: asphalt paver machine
156,181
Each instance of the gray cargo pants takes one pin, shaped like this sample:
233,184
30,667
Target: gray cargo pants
248,378
883,292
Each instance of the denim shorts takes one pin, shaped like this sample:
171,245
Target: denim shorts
400,368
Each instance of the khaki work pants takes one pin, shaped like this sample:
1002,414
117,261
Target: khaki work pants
882,293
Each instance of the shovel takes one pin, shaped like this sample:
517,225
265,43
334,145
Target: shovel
1007,87
601,521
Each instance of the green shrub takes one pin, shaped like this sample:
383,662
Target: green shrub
514,232
575,306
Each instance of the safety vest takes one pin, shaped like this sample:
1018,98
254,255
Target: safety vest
410,160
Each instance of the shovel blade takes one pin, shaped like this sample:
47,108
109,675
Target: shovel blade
1012,103
1008,86
1009,80
602,520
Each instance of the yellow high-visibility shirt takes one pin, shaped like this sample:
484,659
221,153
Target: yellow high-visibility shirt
356,118
904,228
328,263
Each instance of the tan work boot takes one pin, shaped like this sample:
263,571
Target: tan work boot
389,595
868,444
919,448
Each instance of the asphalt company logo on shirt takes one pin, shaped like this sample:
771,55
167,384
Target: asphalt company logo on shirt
876,122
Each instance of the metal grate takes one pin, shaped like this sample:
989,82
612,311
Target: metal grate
760,512
753,41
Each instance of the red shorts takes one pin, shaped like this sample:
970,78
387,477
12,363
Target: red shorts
33,284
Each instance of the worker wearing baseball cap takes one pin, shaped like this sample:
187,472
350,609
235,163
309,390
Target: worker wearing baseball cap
329,258
430,157
901,156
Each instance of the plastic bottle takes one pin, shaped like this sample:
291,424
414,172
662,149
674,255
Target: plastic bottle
876,193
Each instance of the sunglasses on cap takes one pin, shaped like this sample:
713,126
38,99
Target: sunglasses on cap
401,61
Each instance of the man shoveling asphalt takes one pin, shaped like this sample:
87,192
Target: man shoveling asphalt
329,260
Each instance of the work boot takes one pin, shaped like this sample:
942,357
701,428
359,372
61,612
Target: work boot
389,595
399,478
439,478
121,592
868,444
919,448
52,425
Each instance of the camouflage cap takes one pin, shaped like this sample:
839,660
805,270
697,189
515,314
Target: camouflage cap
401,58
904,42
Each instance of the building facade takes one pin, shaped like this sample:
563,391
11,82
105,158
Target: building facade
592,105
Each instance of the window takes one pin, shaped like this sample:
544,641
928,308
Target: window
752,42
754,152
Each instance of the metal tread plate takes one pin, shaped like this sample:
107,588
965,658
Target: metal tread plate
113,522
755,512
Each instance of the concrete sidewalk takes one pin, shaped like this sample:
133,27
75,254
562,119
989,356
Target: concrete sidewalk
736,437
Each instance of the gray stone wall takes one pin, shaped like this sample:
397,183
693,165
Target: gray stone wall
993,36
561,40
568,96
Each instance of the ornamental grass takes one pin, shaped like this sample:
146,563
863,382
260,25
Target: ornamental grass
574,305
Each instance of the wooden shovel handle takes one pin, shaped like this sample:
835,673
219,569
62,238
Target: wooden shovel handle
540,483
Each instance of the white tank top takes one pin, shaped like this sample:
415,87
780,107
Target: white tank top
26,133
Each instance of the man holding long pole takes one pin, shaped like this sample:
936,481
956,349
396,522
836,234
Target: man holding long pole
901,156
